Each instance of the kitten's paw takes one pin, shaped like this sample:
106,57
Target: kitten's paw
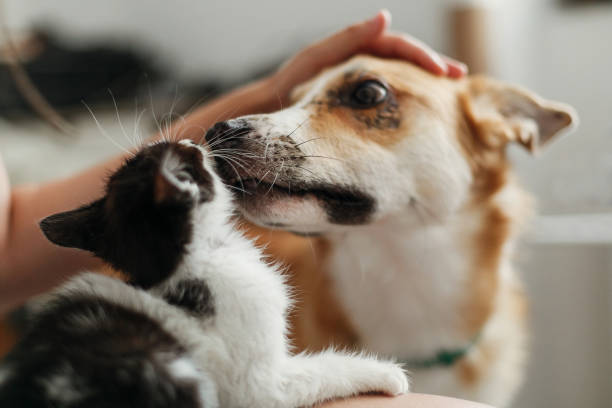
329,375
389,378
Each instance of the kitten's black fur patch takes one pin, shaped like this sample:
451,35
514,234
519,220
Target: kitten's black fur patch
80,228
192,295
131,227
96,354
85,351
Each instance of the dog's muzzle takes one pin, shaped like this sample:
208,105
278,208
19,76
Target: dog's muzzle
229,134
226,140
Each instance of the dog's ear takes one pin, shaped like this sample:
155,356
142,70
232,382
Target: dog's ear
80,228
500,113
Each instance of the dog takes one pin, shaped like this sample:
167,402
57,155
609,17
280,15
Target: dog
388,192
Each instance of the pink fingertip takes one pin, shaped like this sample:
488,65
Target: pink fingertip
386,14
457,70
443,68
382,19
461,68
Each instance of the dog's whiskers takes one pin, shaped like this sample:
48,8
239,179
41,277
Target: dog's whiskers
298,126
219,141
233,159
303,168
262,178
272,185
319,157
237,189
222,137
240,152
308,141
229,162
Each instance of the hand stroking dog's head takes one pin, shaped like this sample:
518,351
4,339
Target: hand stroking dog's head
372,139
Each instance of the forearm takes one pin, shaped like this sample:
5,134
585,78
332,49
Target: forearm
257,97
29,264
5,205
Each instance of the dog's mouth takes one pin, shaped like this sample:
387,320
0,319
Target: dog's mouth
343,205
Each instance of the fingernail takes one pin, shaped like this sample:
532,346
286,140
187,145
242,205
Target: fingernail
457,65
440,63
387,14
463,67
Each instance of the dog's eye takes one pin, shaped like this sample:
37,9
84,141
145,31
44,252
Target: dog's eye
368,94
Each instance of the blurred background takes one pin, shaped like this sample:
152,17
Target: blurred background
158,57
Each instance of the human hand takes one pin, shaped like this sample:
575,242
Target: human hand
269,94
371,36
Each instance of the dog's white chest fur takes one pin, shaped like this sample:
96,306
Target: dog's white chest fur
402,298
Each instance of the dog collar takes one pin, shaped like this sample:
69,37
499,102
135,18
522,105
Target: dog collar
443,358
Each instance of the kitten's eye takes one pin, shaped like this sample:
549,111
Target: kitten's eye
368,94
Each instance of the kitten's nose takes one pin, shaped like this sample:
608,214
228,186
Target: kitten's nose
227,134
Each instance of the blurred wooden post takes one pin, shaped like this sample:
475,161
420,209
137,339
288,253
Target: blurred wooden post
470,36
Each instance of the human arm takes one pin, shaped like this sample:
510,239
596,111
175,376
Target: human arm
29,264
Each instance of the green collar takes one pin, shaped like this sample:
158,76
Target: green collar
443,358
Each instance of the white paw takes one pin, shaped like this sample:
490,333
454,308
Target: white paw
390,378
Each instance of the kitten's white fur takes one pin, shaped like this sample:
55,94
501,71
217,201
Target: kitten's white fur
243,347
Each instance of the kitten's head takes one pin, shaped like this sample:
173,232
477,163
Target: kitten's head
145,221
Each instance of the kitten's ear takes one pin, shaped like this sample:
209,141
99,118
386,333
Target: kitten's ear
167,190
80,228
502,113
172,182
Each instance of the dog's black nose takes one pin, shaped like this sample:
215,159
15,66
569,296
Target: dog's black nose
227,134
215,132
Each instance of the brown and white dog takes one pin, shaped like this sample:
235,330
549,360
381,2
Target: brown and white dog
400,179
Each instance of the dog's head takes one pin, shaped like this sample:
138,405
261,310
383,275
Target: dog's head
374,138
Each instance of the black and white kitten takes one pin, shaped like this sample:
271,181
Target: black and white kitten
201,321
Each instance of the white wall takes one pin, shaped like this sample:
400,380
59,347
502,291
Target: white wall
570,362
226,37
571,60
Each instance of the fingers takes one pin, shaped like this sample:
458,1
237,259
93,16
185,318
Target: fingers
402,46
456,69
371,36
350,40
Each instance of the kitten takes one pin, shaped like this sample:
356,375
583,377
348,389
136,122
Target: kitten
201,321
